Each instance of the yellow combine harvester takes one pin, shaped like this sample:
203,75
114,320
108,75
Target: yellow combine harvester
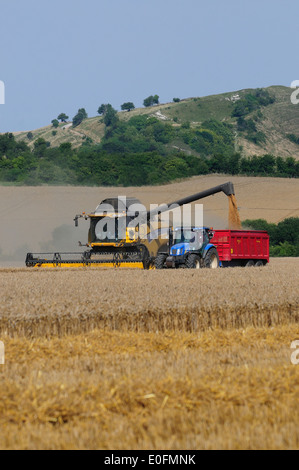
120,235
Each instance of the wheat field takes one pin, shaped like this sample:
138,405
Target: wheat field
120,359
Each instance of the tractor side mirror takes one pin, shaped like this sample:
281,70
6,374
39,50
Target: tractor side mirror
211,234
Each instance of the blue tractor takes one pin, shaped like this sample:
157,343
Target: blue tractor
190,248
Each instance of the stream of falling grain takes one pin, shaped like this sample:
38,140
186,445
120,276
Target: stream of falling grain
234,220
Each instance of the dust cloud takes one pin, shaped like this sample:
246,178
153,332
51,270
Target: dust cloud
41,220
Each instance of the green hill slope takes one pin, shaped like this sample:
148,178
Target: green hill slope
250,132
274,123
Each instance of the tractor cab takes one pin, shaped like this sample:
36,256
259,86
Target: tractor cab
190,240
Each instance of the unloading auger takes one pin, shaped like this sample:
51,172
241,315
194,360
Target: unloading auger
115,240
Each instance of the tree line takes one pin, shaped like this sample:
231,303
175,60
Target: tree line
128,106
134,155
151,100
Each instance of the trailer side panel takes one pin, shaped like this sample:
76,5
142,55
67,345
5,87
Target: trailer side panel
242,245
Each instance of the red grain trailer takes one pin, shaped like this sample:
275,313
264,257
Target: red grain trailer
242,247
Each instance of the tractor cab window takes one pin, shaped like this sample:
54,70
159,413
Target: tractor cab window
194,237
184,236
201,237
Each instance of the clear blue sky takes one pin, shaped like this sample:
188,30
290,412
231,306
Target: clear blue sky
61,55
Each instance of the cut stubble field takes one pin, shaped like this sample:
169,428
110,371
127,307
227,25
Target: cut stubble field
119,359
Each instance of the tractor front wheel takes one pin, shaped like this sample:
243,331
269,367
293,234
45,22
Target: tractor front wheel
193,262
211,260
160,262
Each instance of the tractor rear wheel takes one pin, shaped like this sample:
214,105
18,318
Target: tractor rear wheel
193,262
160,262
211,260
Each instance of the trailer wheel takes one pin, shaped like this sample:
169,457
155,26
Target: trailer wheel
259,264
211,260
249,264
160,262
193,262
